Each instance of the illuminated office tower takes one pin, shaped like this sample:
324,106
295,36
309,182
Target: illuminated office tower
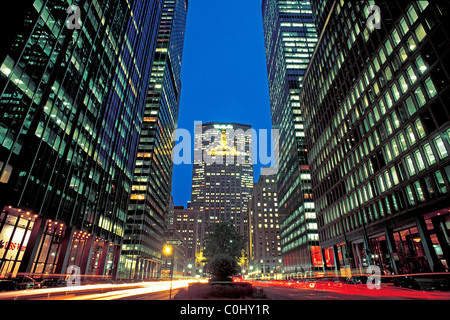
71,107
378,128
290,39
265,236
149,207
185,224
222,177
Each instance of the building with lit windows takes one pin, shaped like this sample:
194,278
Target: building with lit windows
265,259
150,204
72,103
290,39
375,105
185,224
222,177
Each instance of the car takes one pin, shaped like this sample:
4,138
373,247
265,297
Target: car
406,282
26,282
9,285
53,283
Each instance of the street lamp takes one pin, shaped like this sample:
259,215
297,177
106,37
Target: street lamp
168,250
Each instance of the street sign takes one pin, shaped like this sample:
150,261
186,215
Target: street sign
174,242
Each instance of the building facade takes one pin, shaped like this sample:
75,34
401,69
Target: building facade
152,182
222,177
375,101
71,105
265,260
290,39
185,223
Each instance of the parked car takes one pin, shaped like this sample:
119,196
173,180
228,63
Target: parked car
26,282
8,285
407,282
53,283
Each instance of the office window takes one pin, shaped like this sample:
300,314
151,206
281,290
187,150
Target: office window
395,120
396,38
419,160
388,153
395,149
411,43
431,90
403,84
440,183
388,46
402,54
411,75
420,33
388,126
411,137
382,56
440,147
410,105
422,4
419,96
412,15
394,176
429,154
410,165
419,128
420,65
395,92
410,196
419,192
402,142
403,26
388,179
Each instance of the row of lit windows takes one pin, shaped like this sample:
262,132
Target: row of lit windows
418,94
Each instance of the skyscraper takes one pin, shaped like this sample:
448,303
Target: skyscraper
185,223
378,128
152,182
222,177
290,39
71,109
265,259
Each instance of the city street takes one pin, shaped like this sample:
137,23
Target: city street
136,291
277,290
293,293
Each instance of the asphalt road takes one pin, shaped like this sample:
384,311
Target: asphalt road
290,293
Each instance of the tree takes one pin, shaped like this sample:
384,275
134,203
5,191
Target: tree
223,249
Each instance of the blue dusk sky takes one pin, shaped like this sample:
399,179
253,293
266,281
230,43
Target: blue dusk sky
224,74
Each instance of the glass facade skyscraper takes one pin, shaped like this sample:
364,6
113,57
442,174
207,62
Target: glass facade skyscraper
290,39
375,102
222,178
72,103
152,182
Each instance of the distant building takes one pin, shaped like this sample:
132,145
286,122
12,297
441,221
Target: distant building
265,236
222,177
185,224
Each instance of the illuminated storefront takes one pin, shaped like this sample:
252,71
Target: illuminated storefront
55,248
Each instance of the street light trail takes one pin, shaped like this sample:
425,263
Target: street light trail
108,291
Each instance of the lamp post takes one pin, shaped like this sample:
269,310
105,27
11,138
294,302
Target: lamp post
168,250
